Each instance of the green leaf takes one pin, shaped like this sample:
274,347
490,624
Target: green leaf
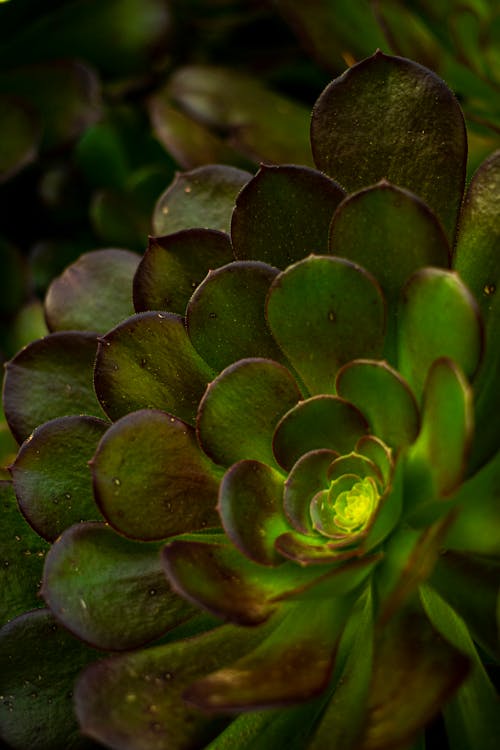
21,559
51,476
307,477
262,125
438,317
135,699
203,197
225,316
283,215
93,294
240,409
324,312
477,262
318,422
391,233
251,510
154,457
372,386
293,664
40,661
471,716
388,117
436,462
149,362
320,550
173,266
57,373
91,574
19,136
415,672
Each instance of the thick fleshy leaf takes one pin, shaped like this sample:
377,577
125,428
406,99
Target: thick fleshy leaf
240,409
307,477
471,585
51,475
319,550
318,422
40,661
173,266
324,312
471,716
149,362
93,294
283,214
476,527
135,699
225,316
91,573
438,317
203,197
19,136
378,452
261,124
383,397
388,117
151,480
478,262
251,509
21,561
415,672
217,577
57,372
436,462
293,664
391,233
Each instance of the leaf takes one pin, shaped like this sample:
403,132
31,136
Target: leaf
154,457
225,316
40,661
316,423
240,409
93,294
19,137
91,574
173,266
149,362
22,556
57,373
251,510
283,214
388,117
324,312
51,475
307,477
203,197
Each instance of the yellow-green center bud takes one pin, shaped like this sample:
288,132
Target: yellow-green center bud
354,507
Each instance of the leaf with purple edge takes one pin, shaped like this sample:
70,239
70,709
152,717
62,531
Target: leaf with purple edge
154,457
318,422
307,477
248,398
225,316
272,219
438,317
91,573
203,197
92,294
408,127
173,266
371,386
57,372
293,664
149,362
51,476
324,312
40,661
251,509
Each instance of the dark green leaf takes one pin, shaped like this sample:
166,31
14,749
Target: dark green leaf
19,136
307,477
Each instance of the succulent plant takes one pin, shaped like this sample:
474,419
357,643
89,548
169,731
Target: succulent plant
290,525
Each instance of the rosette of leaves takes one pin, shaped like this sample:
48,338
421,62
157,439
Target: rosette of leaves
289,527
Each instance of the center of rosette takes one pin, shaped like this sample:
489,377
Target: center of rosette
353,508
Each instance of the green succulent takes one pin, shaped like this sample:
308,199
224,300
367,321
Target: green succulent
290,527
